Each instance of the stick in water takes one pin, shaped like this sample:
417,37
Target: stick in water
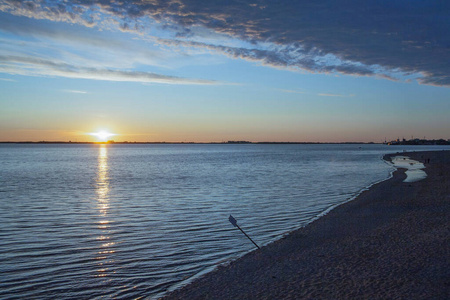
234,222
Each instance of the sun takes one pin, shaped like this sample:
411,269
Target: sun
102,135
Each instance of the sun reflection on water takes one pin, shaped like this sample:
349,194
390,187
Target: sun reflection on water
103,180
103,204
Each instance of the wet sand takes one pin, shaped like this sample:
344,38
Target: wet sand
391,242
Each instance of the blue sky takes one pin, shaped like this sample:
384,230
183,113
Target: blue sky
182,70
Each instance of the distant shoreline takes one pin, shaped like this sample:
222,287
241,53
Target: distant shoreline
190,143
439,142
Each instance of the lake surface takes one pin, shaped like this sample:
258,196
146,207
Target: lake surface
129,221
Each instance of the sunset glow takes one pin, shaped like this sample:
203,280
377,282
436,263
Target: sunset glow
102,135
204,73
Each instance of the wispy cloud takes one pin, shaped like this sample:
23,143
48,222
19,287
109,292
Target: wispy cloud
41,67
335,95
293,91
74,91
40,49
370,38
317,94
7,79
76,44
287,57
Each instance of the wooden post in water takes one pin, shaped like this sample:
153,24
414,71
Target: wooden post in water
234,222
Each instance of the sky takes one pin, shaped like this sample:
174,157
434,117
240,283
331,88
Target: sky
213,71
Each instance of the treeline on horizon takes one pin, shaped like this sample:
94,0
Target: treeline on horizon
420,142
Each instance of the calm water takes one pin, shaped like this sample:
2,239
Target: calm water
127,221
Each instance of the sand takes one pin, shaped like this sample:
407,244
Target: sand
391,242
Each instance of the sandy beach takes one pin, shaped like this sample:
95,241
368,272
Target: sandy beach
391,242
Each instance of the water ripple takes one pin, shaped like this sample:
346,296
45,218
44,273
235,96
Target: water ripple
90,221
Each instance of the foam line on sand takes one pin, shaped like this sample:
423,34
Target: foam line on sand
414,168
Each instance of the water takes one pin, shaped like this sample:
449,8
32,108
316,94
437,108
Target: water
129,221
414,168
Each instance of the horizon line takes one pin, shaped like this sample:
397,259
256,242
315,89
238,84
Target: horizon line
178,142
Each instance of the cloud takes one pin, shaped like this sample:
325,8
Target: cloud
30,28
33,66
7,79
352,37
89,47
50,10
292,91
335,95
75,91
285,57
41,49
318,94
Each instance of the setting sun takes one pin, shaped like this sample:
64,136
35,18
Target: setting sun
103,135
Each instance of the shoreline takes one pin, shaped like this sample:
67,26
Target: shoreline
390,241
